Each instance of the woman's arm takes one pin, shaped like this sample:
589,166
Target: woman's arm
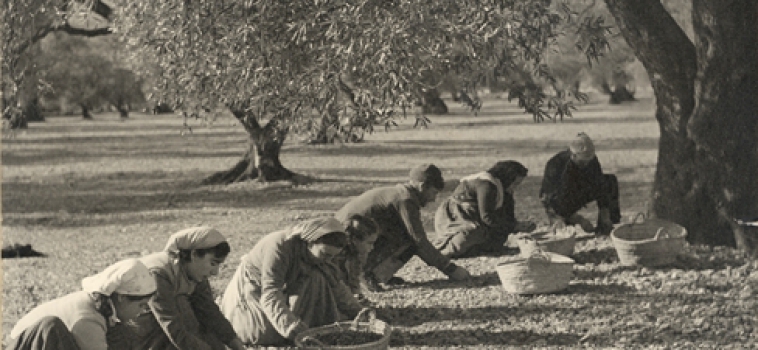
209,314
275,264
163,305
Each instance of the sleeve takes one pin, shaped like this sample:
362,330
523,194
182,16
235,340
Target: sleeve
209,315
163,306
273,300
410,214
500,218
508,213
90,335
551,181
346,301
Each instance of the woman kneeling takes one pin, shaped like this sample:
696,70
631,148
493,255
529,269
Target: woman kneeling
288,283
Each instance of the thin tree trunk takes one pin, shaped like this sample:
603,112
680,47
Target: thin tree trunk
85,112
261,160
705,95
123,111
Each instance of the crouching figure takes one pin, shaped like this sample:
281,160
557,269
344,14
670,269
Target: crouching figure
288,283
84,320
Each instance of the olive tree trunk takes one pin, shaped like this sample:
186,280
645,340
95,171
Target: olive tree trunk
261,159
707,171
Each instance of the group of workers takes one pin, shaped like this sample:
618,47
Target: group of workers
316,272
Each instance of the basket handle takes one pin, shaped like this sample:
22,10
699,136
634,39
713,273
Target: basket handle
367,312
661,230
634,221
308,339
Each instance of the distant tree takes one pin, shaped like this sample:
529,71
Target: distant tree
74,72
24,23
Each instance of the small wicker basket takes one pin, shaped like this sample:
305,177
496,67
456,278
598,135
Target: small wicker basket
546,241
653,242
308,338
540,273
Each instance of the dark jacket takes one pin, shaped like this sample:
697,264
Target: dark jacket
566,187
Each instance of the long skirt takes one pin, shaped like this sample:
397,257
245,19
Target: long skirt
49,333
312,300
459,232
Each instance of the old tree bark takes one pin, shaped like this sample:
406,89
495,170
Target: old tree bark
707,172
261,160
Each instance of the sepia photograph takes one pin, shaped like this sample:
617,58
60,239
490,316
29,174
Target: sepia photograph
379,174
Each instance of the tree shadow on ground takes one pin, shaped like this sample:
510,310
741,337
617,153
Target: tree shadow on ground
457,148
455,338
150,146
414,316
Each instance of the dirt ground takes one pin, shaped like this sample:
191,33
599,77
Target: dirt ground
88,193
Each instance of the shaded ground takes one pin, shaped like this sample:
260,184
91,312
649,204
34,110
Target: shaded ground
89,193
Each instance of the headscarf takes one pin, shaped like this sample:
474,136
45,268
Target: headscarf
312,230
128,277
201,237
508,171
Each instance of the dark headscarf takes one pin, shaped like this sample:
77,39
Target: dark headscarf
507,171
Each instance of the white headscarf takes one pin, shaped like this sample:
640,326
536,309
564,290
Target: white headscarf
128,277
201,237
312,230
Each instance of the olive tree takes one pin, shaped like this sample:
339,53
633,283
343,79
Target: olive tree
705,90
282,66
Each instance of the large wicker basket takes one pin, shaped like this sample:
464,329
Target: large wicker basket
653,242
308,339
540,273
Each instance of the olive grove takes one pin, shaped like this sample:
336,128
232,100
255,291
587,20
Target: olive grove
284,67
290,66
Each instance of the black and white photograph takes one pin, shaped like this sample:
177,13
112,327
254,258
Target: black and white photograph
379,174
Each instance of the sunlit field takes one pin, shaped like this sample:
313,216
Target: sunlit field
88,193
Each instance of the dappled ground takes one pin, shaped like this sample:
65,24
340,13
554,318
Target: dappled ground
89,193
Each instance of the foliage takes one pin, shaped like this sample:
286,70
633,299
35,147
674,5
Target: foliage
271,55
24,23
86,72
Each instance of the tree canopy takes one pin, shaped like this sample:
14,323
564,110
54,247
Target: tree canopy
294,55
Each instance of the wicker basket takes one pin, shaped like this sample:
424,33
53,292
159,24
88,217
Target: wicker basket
308,338
547,242
542,272
653,242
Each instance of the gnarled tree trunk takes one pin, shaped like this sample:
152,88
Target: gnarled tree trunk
707,172
261,160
